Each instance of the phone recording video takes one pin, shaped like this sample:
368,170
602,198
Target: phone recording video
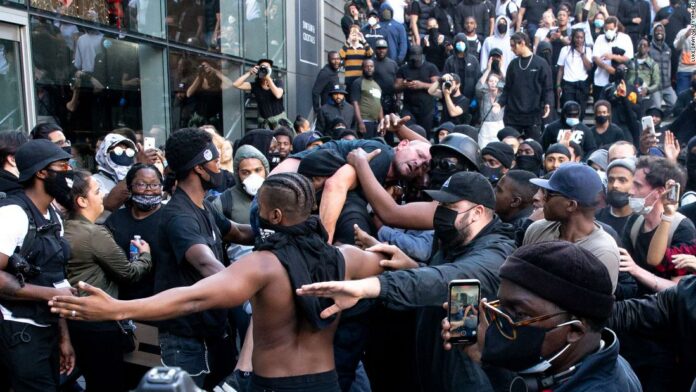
463,310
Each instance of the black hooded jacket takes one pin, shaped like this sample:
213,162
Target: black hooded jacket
426,289
9,184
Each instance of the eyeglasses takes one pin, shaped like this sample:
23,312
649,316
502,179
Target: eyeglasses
140,187
505,324
444,164
130,153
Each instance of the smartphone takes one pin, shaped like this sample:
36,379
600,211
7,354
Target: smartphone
149,143
673,194
464,297
647,122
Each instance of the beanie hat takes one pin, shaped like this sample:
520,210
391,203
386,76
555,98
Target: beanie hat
564,274
500,151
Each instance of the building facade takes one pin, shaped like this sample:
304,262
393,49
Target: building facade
153,65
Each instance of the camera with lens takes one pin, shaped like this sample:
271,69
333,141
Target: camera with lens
264,71
446,84
164,379
21,268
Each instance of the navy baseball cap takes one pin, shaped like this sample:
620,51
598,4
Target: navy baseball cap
575,181
469,186
36,155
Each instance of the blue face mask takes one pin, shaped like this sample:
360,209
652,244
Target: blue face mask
598,23
572,121
460,46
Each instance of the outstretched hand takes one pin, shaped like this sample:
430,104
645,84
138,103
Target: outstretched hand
359,154
345,294
97,306
392,123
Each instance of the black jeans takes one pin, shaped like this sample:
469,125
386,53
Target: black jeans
31,356
575,91
528,131
99,354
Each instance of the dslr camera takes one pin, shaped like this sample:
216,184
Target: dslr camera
264,71
446,84
22,269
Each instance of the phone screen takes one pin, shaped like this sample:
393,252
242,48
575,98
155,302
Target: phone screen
149,143
463,310
647,122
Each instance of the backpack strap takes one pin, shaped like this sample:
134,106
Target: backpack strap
676,221
635,229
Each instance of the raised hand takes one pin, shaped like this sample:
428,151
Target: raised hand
97,306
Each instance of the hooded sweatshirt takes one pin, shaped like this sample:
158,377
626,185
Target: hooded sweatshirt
500,41
110,173
235,202
662,54
395,34
466,67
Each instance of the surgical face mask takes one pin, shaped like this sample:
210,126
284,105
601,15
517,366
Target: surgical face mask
617,199
638,205
372,21
146,202
460,46
598,23
252,184
572,121
610,34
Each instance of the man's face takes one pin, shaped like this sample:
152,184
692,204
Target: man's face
579,39
555,206
491,161
368,68
284,146
602,111
411,159
251,166
382,53
619,152
641,187
525,150
338,98
609,26
562,18
619,179
463,221
58,138
335,61
643,48
265,64
504,196
515,47
656,120
441,134
554,161
470,25
431,24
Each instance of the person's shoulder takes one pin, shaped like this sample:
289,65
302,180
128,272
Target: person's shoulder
13,213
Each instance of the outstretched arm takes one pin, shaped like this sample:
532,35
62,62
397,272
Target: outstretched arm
226,289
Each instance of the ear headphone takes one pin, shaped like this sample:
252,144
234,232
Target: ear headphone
539,381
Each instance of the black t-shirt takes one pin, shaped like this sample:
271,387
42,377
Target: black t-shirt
123,227
534,10
612,135
385,74
418,98
380,164
183,225
684,235
463,102
269,105
617,223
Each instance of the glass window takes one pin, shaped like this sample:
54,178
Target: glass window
140,16
195,22
255,32
230,28
276,32
11,101
202,92
99,84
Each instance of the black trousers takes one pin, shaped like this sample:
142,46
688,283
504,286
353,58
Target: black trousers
30,355
99,355
528,131
575,91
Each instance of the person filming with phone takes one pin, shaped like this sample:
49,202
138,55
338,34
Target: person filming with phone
547,329
268,93
473,244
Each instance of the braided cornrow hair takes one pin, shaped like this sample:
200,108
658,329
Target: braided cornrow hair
289,192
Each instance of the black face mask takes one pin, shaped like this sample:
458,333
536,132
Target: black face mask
601,120
617,199
58,184
445,229
516,355
502,28
433,33
529,163
146,202
438,177
216,179
492,174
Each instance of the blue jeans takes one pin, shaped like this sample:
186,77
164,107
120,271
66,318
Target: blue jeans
531,30
683,81
190,354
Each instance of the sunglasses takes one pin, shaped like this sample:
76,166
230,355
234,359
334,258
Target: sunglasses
130,153
505,324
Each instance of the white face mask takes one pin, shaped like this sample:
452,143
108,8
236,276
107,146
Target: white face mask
610,34
252,184
638,206
372,21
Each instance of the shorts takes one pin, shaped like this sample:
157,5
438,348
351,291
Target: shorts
318,382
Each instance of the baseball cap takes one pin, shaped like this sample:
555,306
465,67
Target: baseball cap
575,181
496,52
381,43
35,155
469,186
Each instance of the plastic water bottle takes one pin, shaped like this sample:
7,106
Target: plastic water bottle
134,249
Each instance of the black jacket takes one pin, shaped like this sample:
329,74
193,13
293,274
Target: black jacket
527,90
683,126
9,184
325,81
426,289
469,72
630,9
581,135
670,314
330,111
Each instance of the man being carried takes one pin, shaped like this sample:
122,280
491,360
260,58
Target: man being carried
292,251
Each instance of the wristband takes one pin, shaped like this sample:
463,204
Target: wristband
666,218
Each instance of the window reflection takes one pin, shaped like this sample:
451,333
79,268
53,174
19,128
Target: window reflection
11,109
195,22
255,34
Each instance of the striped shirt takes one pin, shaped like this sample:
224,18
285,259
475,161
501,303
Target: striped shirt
353,59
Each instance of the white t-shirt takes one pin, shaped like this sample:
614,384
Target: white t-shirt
573,67
602,47
11,236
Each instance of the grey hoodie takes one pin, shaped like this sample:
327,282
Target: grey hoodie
500,41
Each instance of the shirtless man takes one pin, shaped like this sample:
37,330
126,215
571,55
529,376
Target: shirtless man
268,277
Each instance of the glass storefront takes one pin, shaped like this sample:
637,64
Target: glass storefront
150,65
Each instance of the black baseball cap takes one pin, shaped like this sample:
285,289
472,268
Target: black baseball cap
575,181
36,155
381,43
496,52
469,186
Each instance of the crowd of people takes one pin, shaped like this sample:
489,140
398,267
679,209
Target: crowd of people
449,141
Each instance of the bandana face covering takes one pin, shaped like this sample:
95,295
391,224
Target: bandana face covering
146,202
